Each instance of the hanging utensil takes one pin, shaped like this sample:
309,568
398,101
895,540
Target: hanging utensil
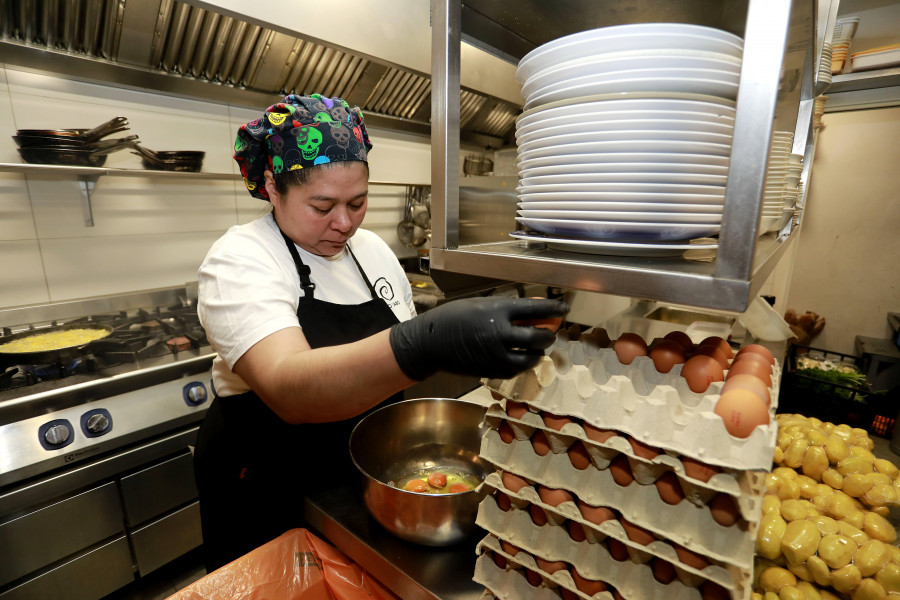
421,210
410,234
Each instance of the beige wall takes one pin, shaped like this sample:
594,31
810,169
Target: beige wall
847,259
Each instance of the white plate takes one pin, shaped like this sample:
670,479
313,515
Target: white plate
713,85
610,248
616,62
624,177
660,197
624,121
627,169
640,36
668,135
642,217
627,186
621,230
627,146
593,107
595,158
599,205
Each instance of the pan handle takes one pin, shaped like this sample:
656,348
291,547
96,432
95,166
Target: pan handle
118,144
103,144
103,129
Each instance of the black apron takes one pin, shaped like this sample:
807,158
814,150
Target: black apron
253,469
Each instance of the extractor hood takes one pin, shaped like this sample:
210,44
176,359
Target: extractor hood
191,51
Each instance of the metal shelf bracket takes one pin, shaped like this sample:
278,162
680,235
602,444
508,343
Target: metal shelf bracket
86,184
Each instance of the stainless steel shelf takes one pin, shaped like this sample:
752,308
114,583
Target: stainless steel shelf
675,280
776,85
865,80
30,169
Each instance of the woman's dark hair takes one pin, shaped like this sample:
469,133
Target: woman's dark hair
288,179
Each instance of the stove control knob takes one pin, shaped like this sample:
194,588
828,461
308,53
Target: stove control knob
97,423
196,394
57,435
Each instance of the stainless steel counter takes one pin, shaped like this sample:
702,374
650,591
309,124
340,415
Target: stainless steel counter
411,571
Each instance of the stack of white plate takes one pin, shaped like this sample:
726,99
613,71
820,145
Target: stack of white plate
624,144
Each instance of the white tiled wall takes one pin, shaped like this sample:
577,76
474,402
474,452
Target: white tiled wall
148,232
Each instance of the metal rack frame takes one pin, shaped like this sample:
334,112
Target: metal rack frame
743,259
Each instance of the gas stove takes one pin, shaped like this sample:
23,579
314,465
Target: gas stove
149,375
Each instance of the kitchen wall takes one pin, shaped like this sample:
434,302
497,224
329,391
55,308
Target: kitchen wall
151,231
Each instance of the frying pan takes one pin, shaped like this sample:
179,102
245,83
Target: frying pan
52,355
73,156
30,141
84,135
170,160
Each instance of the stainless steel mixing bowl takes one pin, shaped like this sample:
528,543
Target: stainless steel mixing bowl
399,439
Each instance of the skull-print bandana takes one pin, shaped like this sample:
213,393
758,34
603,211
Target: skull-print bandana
297,133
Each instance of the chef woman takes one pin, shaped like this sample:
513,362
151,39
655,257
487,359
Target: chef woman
313,322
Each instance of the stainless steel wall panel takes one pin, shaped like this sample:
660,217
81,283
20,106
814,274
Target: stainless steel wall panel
167,538
158,489
87,577
51,533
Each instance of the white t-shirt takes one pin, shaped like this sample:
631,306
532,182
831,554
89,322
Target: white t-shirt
249,288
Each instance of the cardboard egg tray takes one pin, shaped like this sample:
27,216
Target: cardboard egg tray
589,383
744,486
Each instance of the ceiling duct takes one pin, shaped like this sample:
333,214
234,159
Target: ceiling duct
174,47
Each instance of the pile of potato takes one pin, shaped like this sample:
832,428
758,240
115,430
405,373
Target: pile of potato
823,523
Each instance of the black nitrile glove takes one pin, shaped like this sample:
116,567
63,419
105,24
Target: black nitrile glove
475,336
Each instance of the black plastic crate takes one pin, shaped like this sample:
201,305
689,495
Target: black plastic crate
854,405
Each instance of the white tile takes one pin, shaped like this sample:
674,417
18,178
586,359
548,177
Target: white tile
79,267
16,222
126,205
23,276
3,84
8,128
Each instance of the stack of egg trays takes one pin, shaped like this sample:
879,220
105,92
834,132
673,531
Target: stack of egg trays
585,381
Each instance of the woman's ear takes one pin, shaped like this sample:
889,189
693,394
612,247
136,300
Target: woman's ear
269,183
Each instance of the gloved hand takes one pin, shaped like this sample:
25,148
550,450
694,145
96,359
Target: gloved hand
475,336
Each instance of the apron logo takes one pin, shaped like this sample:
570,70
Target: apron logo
383,289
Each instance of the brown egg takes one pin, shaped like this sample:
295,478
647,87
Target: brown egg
499,560
596,434
751,367
663,571
587,586
576,530
721,343
578,456
516,409
724,510
553,496
503,501
669,488
555,422
714,352
636,533
617,595
682,339
595,514
618,550
711,590
513,482
538,516
509,548
643,450
742,412
691,558
550,566
533,577
620,469
541,443
700,371
506,433
695,469
757,349
666,354
567,594
746,381
629,346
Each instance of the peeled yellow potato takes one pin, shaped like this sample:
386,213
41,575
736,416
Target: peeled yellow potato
871,557
800,541
772,579
869,589
879,528
846,579
768,537
836,550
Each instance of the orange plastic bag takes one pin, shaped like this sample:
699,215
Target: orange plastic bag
295,565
